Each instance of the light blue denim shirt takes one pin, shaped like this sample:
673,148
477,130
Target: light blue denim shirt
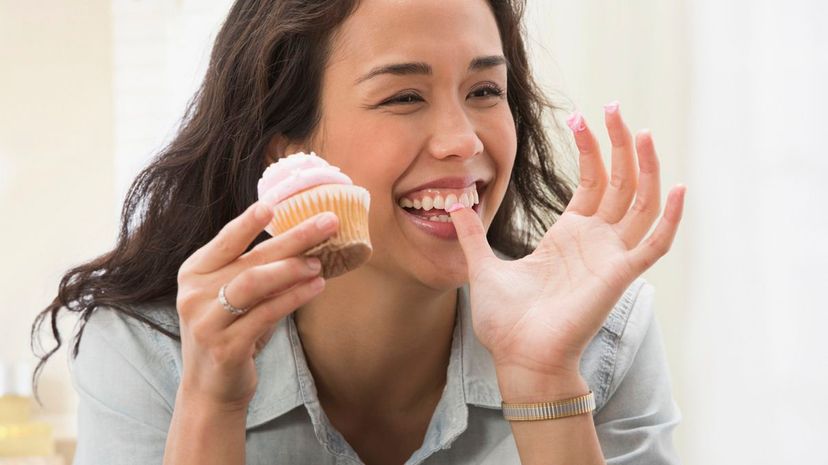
127,375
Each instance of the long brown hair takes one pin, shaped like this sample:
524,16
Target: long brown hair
264,79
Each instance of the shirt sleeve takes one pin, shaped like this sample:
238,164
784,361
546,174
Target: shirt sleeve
635,425
123,383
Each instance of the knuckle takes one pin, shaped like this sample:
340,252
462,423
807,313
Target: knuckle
187,270
591,183
183,274
620,182
244,284
647,207
617,183
640,206
201,334
659,247
647,262
287,267
618,137
662,245
223,245
186,301
304,233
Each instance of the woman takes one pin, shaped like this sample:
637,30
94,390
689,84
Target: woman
408,358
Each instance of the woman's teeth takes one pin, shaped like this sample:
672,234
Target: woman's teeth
432,200
439,202
440,218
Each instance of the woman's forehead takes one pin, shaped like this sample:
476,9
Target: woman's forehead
383,31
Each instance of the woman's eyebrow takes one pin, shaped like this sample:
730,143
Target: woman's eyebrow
404,69
487,62
397,69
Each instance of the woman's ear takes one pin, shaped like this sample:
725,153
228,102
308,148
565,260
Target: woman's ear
279,146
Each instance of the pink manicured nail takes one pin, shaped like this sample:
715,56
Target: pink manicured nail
576,122
455,207
611,107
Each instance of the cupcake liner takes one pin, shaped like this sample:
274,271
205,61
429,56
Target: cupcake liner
350,247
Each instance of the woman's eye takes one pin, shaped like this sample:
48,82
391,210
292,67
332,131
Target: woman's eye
487,91
403,99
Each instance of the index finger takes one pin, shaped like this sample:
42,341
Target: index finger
232,240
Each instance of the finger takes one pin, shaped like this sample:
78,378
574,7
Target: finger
624,177
593,175
296,240
638,220
259,283
231,241
260,319
645,254
472,237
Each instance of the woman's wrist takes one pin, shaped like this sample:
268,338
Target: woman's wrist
194,400
518,384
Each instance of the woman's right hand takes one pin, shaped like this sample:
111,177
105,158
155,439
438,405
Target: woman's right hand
272,280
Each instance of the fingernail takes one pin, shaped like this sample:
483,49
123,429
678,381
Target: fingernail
576,122
455,207
326,221
612,107
317,284
261,213
314,264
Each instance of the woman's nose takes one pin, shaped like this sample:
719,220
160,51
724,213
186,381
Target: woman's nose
454,135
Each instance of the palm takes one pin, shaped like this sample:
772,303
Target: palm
580,265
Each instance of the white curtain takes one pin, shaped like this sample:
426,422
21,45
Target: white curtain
755,347
736,95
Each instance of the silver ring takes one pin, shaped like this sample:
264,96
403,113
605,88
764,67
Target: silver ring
227,306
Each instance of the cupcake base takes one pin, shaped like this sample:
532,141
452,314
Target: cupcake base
350,247
336,262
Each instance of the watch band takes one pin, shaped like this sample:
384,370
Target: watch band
549,410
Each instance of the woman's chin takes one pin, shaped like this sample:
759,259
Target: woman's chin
446,273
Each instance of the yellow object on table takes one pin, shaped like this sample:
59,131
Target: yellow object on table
21,438
50,460
29,439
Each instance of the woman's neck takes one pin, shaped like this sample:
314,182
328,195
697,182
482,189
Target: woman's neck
376,345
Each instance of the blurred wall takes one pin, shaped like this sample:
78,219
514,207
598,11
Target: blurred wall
56,176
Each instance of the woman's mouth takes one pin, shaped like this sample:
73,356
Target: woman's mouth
426,209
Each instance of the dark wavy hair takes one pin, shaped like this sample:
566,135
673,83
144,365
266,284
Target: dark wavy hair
264,79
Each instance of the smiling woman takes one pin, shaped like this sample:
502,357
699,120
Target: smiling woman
410,358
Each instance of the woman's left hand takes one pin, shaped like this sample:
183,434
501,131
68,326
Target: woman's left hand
537,315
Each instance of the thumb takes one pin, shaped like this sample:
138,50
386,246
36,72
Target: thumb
472,236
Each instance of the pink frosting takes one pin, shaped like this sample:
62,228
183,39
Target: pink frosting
295,173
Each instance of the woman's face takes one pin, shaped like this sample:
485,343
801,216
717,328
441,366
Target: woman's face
414,93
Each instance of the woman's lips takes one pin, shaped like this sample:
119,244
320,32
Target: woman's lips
441,230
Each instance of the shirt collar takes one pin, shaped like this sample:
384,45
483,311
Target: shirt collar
286,383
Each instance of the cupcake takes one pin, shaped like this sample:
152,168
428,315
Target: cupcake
300,186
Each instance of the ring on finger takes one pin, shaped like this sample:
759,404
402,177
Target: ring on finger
227,305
